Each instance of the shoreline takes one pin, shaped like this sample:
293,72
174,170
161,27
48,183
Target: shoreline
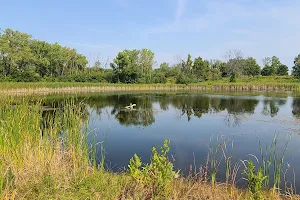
50,88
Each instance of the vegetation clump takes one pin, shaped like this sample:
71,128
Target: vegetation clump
158,174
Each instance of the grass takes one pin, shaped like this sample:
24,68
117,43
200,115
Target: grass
274,83
43,157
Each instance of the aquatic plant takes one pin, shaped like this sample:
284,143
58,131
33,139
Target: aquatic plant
254,179
158,174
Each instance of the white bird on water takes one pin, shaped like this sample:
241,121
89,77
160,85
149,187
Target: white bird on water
130,106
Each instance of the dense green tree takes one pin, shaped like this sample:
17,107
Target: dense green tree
250,67
296,67
22,57
159,77
223,69
282,70
271,66
132,66
215,72
15,51
267,71
201,69
164,67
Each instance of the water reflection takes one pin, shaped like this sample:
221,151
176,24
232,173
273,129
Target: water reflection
142,116
271,106
296,107
233,109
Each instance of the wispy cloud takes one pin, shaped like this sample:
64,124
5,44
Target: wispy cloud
98,46
260,28
180,9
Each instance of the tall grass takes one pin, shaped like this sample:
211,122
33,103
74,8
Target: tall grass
272,159
32,147
276,83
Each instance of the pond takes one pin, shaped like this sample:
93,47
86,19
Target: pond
191,121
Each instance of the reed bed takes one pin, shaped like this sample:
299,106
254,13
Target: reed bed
50,88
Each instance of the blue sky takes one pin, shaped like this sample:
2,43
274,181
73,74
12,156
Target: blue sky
170,28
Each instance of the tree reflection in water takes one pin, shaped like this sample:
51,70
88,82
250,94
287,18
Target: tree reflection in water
235,109
296,107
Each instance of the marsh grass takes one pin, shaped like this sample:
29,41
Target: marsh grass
272,159
274,83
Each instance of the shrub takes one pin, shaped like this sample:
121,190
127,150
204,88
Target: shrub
158,174
159,78
184,79
255,180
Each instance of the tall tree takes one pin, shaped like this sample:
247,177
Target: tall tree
282,70
234,63
15,51
187,66
296,67
164,67
250,67
271,66
201,69
22,57
147,61
131,66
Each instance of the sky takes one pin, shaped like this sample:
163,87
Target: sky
100,29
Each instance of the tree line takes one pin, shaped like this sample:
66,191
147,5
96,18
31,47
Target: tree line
23,58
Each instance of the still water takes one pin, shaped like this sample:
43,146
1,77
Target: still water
191,121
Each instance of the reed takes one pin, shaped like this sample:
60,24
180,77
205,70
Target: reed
276,83
272,161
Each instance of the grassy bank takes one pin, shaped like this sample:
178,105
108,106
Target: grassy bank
46,157
280,83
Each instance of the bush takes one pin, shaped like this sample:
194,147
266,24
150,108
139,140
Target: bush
255,180
26,76
184,79
158,174
159,78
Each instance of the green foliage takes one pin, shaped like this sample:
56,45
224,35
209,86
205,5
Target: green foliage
250,67
233,77
185,79
273,66
25,59
267,71
164,67
158,174
201,69
255,180
282,70
133,66
159,77
296,67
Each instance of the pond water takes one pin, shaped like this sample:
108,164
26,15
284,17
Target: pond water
191,121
